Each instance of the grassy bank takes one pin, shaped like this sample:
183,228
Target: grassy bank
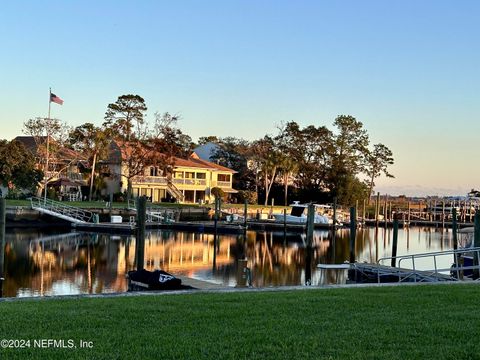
413,322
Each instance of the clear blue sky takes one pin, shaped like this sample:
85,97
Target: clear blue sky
409,70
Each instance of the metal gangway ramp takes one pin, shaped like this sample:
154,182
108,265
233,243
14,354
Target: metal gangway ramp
435,273
60,210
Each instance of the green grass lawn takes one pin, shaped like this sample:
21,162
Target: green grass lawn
408,322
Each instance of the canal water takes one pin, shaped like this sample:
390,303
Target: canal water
39,262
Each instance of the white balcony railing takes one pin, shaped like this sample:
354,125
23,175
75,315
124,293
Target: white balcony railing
150,180
51,175
190,182
222,184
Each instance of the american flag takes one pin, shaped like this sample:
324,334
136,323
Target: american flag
54,98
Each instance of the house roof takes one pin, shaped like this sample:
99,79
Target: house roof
200,163
191,161
28,142
63,153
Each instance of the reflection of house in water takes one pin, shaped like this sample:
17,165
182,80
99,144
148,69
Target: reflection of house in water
63,263
177,252
84,263
277,260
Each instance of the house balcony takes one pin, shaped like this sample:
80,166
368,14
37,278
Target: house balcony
222,184
190,183
73,176
156,180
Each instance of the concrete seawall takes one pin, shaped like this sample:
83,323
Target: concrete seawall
24,216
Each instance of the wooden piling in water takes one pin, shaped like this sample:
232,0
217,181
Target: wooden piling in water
443,214
395,242
334,212
476,242
390,210
470,212
310,223
245,214
454,229
215,219
110,205
353,233
363,210
409,213
385,211
2,241
454,235
141,224
377,209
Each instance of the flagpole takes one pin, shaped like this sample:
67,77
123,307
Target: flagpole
48,144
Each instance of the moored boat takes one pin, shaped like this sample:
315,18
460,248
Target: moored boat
298,214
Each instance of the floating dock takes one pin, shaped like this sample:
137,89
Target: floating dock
106,227
223,227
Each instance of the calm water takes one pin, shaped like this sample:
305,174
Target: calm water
44,263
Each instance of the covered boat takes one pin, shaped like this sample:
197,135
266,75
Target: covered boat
299,214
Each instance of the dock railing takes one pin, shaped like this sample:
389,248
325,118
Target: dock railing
456,270
154,213
57,208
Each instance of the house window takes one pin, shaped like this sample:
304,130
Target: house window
201,176
178,175
189,175
223,177
154,171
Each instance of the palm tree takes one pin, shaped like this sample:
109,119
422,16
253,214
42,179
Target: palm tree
93,141
267,156
288,167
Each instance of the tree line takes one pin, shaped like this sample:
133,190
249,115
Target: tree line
320,164
305,163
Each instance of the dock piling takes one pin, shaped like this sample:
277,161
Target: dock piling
110,205
2,241
334,212
353,233
310,223
363,211
476,242
409,212
395,242
454,237
245,214
443,214
141,224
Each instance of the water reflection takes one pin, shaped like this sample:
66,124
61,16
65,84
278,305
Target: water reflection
39,263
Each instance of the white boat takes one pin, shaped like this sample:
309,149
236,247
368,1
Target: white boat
298,214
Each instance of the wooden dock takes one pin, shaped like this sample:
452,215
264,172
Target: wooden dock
223,227
106,227
200,284
425,223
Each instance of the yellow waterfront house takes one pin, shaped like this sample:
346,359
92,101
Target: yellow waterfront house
191,179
